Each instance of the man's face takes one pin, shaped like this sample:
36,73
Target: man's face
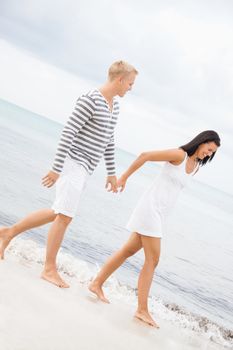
126,83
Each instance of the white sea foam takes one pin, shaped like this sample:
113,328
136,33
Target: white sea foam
29,253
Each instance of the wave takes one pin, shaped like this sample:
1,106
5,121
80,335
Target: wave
30,253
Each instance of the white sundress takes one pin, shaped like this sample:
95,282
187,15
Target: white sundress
148,218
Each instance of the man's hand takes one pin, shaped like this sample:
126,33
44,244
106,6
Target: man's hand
121,183
50,179
111,184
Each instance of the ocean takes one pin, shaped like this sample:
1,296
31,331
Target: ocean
193,284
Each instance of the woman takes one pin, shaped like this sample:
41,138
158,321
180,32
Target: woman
147,219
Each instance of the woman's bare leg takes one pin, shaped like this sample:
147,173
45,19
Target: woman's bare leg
55,237
116,260
151,246
35,219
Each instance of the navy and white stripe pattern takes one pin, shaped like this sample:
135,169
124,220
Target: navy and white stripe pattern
89,134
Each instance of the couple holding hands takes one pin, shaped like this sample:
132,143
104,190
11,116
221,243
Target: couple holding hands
87,137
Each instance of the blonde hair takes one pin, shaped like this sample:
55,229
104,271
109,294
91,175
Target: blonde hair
120,68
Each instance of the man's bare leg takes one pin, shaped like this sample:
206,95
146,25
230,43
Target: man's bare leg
55,237
151,246
130,248
35,219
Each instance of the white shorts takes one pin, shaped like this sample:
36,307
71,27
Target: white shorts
69,188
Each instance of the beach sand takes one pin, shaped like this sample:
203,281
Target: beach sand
36,315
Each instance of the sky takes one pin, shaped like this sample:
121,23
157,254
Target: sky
52,51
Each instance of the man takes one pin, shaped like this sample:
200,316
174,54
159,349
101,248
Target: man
87,137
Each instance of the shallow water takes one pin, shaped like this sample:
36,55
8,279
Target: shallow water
194,280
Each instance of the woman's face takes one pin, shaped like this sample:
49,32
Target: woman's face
206,149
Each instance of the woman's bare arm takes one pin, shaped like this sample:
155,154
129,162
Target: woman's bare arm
174,156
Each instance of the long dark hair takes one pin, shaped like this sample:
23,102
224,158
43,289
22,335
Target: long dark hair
203,137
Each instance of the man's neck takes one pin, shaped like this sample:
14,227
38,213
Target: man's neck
108,91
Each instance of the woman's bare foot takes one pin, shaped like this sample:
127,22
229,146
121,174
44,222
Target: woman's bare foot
95,288
5,239
52,276
144,316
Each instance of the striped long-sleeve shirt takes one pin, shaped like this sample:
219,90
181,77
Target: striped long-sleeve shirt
89,134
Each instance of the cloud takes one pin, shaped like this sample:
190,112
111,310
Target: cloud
182,49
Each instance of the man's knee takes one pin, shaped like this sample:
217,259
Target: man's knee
66,220
153,260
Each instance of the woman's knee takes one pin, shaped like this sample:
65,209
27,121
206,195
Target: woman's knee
127,252
66,220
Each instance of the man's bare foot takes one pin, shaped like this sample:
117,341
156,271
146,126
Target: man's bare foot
98,291
4,240
53,277
144,316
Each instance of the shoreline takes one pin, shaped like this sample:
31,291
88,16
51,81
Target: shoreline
38,315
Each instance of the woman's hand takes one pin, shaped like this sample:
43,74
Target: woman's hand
122,182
